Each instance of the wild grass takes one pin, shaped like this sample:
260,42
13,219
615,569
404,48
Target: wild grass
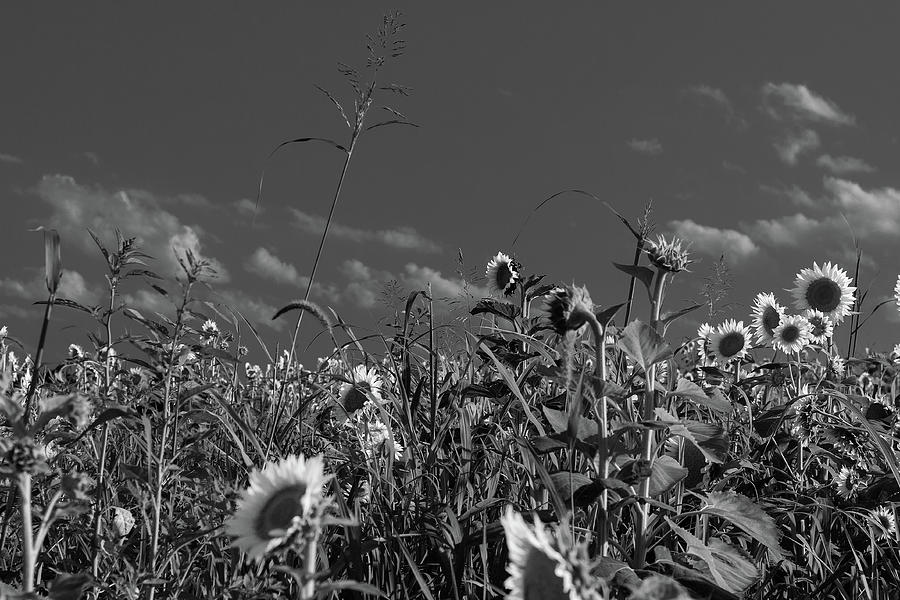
713,466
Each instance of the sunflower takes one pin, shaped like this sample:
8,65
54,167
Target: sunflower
667,255
539,568
767,314
845,482
568,308
820,326
276,495
792,335
730,341
502,274
884,521
826,289
364,381
837,366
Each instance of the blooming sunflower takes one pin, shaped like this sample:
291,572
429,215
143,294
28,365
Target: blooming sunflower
539,568
730,341
792,335
767,314
820,326
365,381
837,366
568,308
502,274
884,521
276,495
826,289
845,482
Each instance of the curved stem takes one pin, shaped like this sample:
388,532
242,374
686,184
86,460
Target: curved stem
603,418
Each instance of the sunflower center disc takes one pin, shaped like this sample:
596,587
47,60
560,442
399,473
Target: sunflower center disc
280,510
823,294
818,325
539,578
354,400
504,276
731,344
770,319
790,334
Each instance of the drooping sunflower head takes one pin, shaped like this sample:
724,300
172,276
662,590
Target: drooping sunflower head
276,495
767,314
821,327
826,289
568,308
502,274
730,341
792,334
543,567
668,255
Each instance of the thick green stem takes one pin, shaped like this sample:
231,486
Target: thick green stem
603,418
642,528
308,591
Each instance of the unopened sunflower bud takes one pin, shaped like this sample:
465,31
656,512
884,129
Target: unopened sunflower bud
667,255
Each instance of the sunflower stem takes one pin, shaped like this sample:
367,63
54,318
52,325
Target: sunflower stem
643,525
603,418
308,591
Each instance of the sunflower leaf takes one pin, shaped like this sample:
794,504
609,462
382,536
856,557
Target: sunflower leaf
747,515
644,274
690,390
501,309
643,344
728,566
709,438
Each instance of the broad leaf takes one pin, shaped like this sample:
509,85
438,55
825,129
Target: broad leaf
665,473
690,390
559,421
747,515
644,274
709,438
644,345
729,568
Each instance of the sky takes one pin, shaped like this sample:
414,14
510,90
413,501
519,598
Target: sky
769,136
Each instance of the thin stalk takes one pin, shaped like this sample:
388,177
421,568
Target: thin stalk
28,551
628,305
432,364
104,444
603,418
640,542
38,358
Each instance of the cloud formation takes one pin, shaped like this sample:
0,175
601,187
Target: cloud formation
139,213
10,159
365,284
842,165
788,101
795,143
714,241
403,238
649,147
72,286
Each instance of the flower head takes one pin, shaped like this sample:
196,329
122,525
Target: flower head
730,341
820,326
668,255
541,567
792,335
210,327
826,289
76,351
365,381
275,497
502,274
568,308
767,314
845,482
884,522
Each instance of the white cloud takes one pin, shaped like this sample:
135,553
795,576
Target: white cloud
404,238
713,241
874,213
798,102
794,193
72,286
93,157
246,207
841,165
255,309
792,230
795,143
137,213
365,284
267,265
10,159
649,147
710,93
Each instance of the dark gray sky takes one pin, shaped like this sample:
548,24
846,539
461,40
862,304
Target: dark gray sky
752,130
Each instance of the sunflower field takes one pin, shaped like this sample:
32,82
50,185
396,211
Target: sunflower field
545,448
